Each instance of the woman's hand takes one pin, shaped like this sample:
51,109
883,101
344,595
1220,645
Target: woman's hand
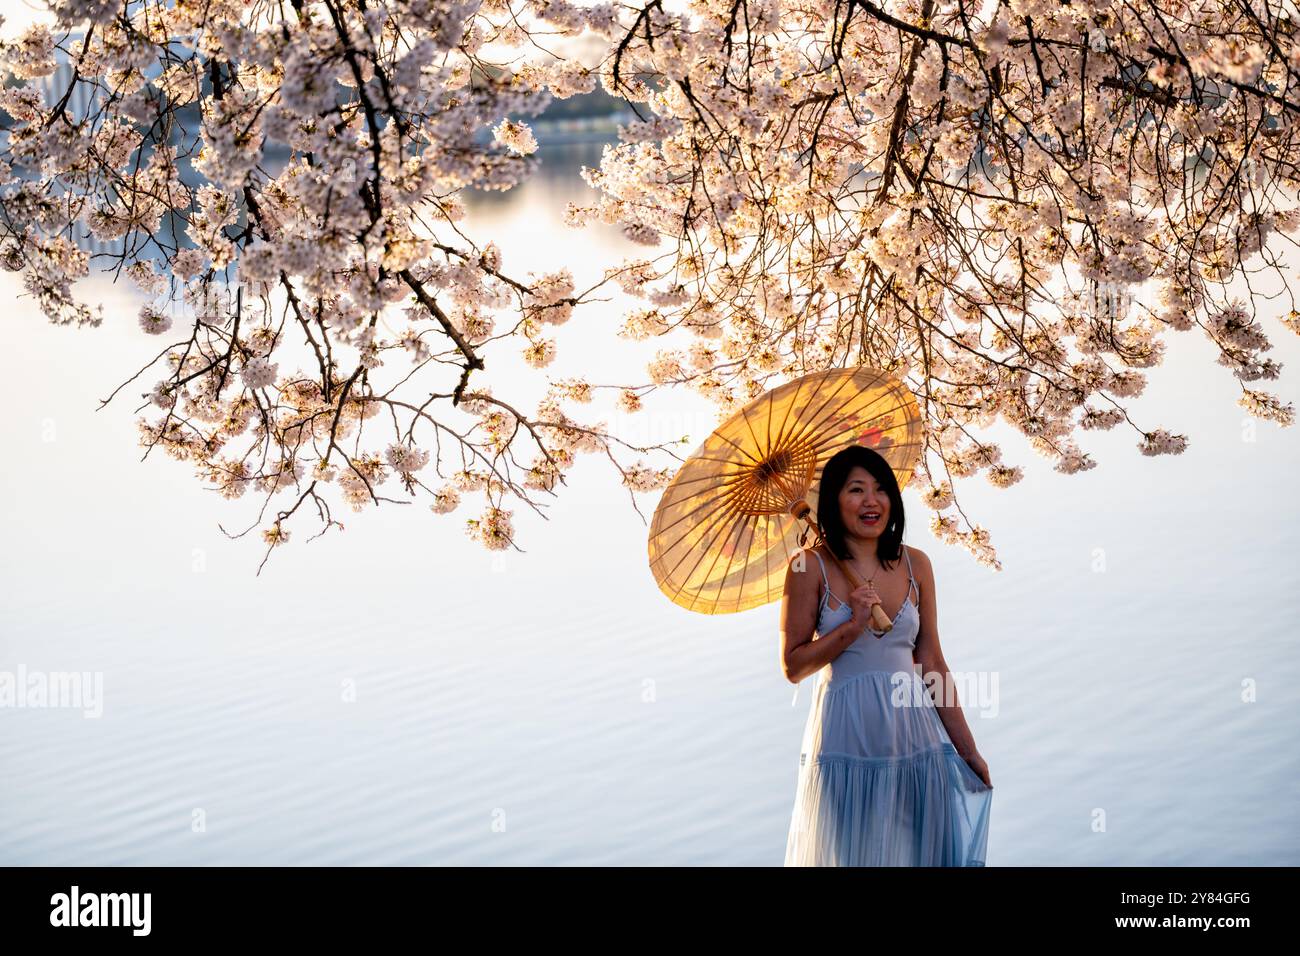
861,601
976,763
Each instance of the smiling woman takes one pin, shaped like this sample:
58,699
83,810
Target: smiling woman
881,782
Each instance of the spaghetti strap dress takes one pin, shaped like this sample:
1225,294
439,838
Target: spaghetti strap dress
880,782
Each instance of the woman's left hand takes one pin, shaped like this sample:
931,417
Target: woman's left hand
976,763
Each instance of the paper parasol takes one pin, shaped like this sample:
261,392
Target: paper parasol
740,507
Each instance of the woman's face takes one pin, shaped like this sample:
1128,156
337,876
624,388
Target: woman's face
864,505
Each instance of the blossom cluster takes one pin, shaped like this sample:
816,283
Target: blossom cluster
1010,206
282,185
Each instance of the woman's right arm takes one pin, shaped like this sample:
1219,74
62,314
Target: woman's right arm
802,651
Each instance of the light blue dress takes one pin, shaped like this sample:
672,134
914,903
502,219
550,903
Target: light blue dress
880,783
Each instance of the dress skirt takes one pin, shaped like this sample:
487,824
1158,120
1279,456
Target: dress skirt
882,785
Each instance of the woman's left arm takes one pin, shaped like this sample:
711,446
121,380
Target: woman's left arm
929,655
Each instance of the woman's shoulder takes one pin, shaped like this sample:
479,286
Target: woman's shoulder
804,555
823,554
920,560
798,578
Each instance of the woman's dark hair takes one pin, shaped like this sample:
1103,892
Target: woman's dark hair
835,474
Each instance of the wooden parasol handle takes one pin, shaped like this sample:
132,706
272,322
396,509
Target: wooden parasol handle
802,511
879,618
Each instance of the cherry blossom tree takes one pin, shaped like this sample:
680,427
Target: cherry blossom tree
1009,204
323,324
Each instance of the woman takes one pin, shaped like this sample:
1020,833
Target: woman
888,776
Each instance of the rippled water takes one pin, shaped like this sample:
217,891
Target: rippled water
393,694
